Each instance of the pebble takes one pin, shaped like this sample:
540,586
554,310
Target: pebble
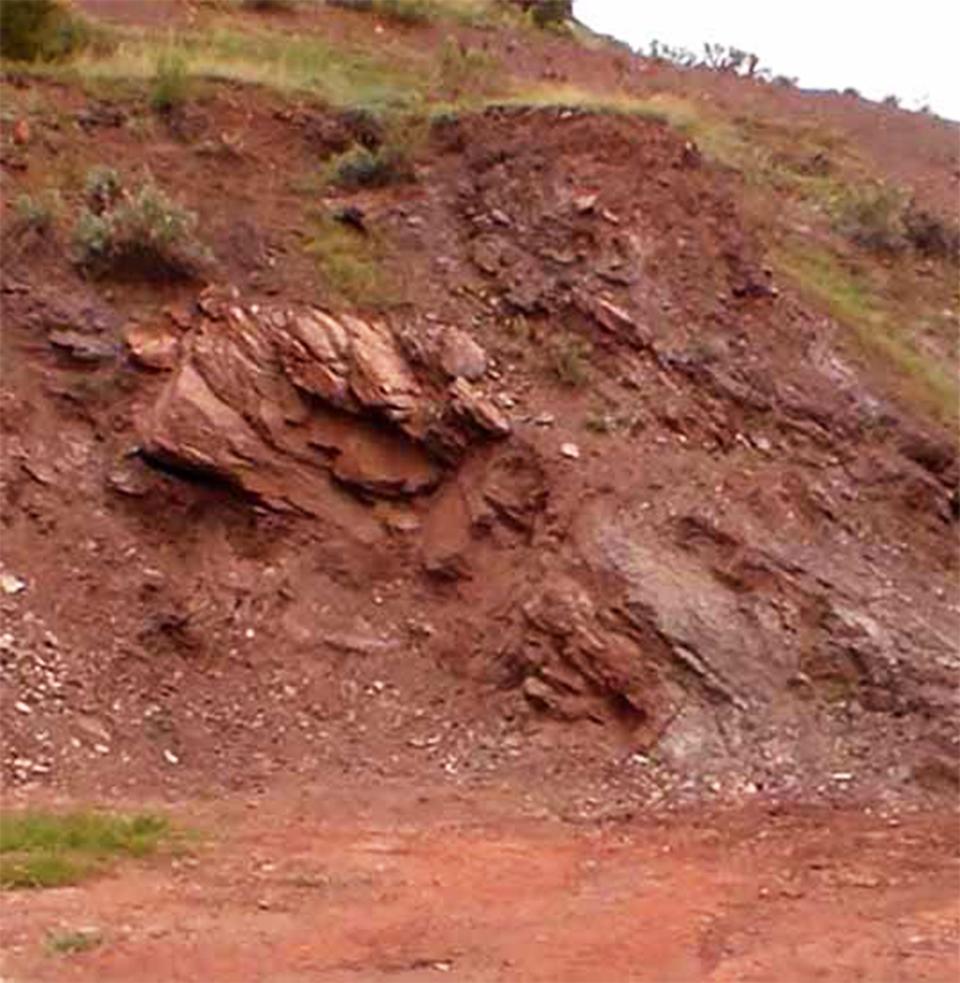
170,757
10,584
544,420
22,707
570,450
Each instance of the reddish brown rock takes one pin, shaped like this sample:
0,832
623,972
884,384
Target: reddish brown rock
276,400
461,357
152,347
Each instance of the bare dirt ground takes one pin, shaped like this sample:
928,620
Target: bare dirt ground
361,883
562,715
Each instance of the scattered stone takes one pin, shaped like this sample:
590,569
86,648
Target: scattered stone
544,420
585,204
82,347
479,410
762,444
10,584
152,346
21,132
170,757
22,707
461,357
131,476
571,451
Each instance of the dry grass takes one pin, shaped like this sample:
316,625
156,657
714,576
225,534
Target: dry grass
584,100
879,331
350,264
390,78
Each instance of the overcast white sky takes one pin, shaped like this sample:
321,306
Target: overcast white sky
911,50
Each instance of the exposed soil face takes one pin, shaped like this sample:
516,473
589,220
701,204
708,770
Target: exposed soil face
301,506
579,518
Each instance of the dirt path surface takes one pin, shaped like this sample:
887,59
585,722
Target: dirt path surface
391,885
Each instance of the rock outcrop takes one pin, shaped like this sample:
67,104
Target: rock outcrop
274,399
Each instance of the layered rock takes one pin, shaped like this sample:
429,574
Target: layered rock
275,399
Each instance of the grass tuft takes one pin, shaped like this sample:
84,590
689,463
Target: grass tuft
67,943
42,849
350,263
170,85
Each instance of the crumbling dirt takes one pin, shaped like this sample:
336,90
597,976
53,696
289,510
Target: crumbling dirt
585,611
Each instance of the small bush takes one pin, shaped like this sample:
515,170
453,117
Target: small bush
401,11
390,162
41,30
873,218
36,213
145,234
405,11
930,234
568,359
101,188
170,86
463,71
269,5
551,13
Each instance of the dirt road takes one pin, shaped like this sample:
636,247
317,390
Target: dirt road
390,885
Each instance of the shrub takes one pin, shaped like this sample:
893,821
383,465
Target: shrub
361,168
873,218
568,359
36,212
145,234
405,11
40,30
401,11
551,13
101,188
269,5
463,70
389,162
930,234
170,85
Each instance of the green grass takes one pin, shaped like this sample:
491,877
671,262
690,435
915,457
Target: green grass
469,13
387,78
43,849
67,943
350,264
880,332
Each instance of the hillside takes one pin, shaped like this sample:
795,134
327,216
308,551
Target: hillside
411,404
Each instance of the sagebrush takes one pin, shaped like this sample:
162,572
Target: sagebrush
144,234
